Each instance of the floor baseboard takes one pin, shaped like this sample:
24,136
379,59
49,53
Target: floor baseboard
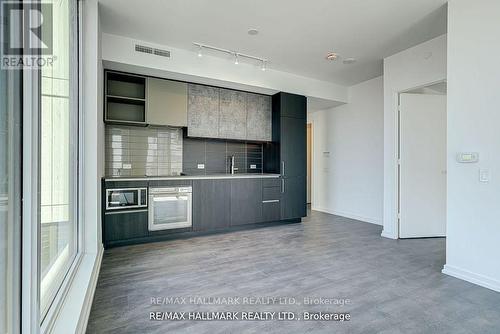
388,235
349,215
471,277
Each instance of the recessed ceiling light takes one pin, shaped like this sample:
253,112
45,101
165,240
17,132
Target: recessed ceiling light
349,61
253,32
332,56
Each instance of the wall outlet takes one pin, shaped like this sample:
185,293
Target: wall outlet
127,166
253,166
201,166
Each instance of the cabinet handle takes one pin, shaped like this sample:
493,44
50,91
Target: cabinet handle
282,186
271,201
124,212
283,168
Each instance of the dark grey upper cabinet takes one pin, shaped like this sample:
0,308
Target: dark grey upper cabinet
124,98
211,204
258,125
232,114
293,105
246,201
203,111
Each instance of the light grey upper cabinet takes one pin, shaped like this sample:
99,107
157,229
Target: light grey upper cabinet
166,102
232,114
203,111
228,114
259,117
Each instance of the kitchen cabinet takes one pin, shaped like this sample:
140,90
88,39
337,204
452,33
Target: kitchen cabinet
293,147
259,113
166,102
125,225
217,204
293,197
232,114
271,201
203,111
211,204
246,201
293,105
228,114
287,153
124,98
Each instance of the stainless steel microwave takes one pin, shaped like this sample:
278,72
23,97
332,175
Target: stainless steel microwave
126,198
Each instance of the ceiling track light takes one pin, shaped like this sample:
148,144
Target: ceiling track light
237,55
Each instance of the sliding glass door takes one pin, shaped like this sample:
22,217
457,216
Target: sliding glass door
39,174
58,153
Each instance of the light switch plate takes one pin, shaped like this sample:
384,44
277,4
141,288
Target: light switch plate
484,175
253,166
201,166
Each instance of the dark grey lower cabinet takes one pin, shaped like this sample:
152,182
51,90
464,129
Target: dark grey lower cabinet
271,211
293,198
125,225
211,204
246,201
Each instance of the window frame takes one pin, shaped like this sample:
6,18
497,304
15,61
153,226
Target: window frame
32,319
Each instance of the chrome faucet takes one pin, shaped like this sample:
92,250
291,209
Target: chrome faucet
231,165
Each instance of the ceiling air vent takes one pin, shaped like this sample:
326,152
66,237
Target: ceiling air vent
162,53
152,51
144,49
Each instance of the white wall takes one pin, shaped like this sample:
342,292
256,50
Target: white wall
349,182
473,242
118,53
414,67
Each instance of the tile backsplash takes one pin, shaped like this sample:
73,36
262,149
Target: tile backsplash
162,151
215,154
138,151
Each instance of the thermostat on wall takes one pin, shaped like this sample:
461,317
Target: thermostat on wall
467,157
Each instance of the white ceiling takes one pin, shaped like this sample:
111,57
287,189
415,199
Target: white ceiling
294,35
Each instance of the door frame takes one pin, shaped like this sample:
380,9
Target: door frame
309,124
397,151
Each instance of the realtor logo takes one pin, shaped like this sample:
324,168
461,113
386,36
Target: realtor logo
26,34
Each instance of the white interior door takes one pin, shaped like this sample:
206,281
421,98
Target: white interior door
423,166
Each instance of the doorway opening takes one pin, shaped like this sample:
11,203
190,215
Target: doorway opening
309,163
421,162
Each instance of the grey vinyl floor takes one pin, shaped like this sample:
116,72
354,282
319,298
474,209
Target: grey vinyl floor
388,286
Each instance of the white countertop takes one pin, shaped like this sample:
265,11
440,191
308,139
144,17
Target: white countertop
193,177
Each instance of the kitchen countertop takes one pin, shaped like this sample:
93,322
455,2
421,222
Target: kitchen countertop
193,177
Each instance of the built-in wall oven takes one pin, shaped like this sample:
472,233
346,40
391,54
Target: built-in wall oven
126,198
169,208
